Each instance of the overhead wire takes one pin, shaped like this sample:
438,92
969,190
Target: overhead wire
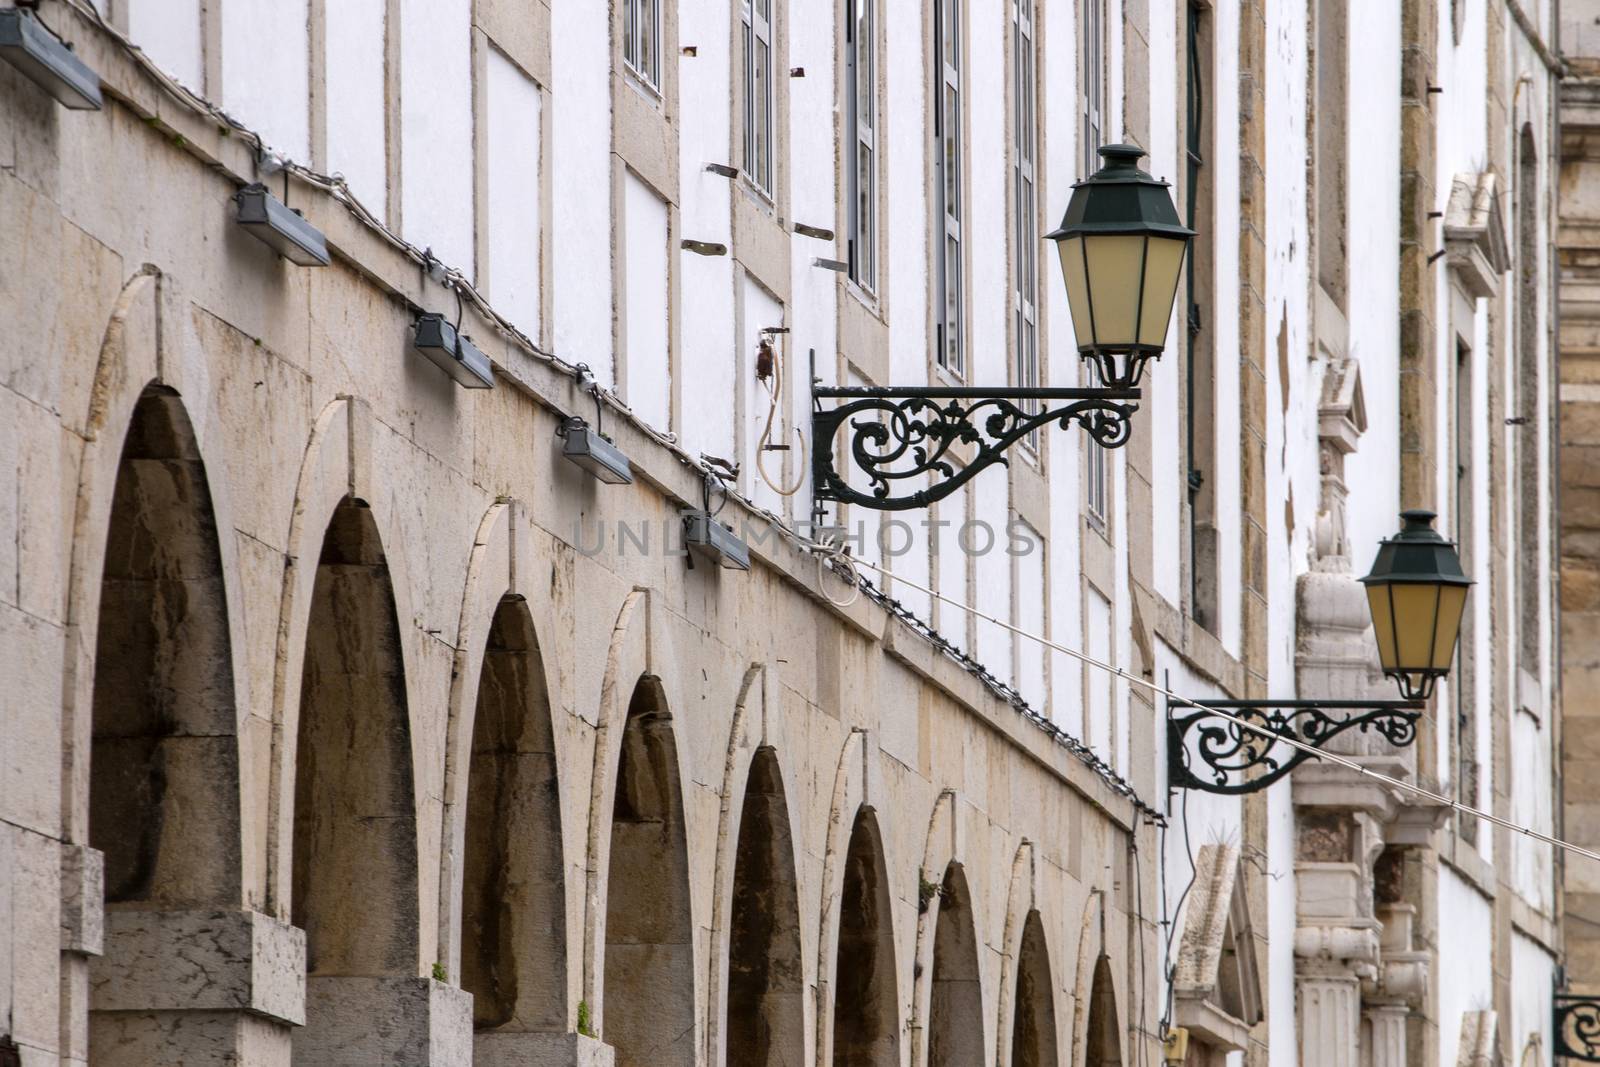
1245,724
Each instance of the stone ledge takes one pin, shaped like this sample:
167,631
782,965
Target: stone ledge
201,961
495,1049
384,1022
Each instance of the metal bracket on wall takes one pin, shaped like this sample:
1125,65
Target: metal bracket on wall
898,436
1575,1022
1211,754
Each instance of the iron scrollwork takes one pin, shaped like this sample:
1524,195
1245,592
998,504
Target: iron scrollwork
898,436
1216,755
1576,1026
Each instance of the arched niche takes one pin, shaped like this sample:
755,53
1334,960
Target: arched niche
354,880
766,984
649,1016
1033,1016
955,1006
866,1018
513,911
1102,1042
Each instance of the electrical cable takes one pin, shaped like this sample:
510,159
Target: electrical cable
774,388
1246,724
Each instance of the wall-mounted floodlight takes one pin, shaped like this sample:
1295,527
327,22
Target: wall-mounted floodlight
452,353
281,228
47,60
584,445
714,541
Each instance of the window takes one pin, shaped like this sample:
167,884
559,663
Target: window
1528,549
1462,512
949,191
1025,270
758,108
641,39
1200,385
861,142
1093,67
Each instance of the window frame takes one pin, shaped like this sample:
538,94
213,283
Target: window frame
861,140
949,160
759,164
644,65
1025,365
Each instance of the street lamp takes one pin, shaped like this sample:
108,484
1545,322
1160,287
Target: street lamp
1121,247
1417,593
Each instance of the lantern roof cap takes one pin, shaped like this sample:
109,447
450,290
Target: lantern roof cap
1417,554
1120,198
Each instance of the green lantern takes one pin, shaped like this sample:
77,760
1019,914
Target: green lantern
1417,593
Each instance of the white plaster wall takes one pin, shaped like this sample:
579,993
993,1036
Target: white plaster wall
1533,974
266,73
1164,395
436,159
580,49
1226,336
648,389
1029,568
1374,308
759,311
1466,965
169,32
513,222
354,67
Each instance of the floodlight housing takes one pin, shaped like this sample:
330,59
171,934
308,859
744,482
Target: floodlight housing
583,445
47,60
716,542
452,353
280,227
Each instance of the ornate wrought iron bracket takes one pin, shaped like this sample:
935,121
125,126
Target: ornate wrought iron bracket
898,436
1575,1022
1209,753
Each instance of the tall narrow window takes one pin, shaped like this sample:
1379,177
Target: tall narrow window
1462,511
949,192
758,107
1528,550
1025,269
861,142
641,39
1200,383
1093,67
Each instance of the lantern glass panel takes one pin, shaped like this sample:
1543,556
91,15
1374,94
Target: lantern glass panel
1076,272
1116,263
1452,601
1163,261
1383,625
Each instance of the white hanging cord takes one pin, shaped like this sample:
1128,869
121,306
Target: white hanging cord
1331,757
774,388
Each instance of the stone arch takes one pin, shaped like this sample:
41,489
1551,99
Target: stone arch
164,773
1033,1025
513,936
648,1013
865,1019
766,981
1028,1032
164,766
503,921
955,994
354,865
337,468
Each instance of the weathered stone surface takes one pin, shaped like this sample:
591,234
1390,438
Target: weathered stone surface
200,961
492,1049
82,899
403,1022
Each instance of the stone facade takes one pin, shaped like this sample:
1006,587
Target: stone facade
350,723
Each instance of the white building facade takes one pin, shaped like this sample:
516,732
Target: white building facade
351,723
